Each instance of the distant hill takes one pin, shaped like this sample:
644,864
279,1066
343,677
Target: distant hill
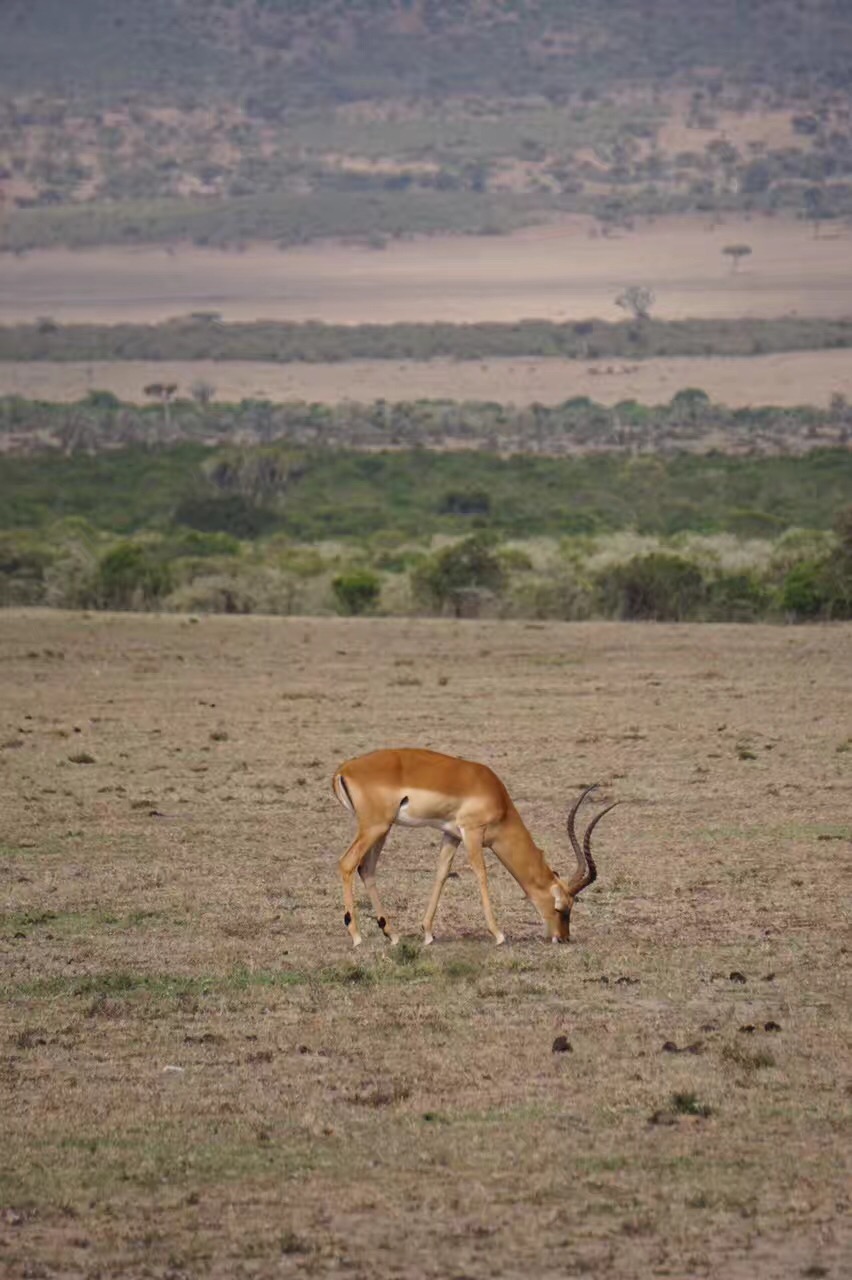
222,121
276,53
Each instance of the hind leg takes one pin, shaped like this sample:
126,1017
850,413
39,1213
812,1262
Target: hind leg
445,862
367,872
349,864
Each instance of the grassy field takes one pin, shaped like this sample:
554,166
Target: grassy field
201,1078
783,379
559,272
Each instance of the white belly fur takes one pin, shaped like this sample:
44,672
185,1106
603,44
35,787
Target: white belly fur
404,819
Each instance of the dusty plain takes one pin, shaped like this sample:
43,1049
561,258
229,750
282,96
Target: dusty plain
786,379
200,1077
565,271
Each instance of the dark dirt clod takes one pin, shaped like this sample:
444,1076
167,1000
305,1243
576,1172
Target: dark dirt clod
561,1045
663,1117
736,976
747,1028
772,1026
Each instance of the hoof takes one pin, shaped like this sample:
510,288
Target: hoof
356,941
428,939
499,940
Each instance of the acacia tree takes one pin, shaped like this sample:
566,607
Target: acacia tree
164,392
638,300
736,252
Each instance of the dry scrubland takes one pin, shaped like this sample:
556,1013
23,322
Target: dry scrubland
201,1077
558,272
785,379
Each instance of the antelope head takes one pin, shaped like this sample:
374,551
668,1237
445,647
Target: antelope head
565,892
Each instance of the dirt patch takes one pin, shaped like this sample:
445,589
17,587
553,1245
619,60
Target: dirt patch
769,129
200,1076
559,272
788,378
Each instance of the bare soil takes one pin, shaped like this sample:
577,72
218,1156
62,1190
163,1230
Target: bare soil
565,271
787,378
199,1077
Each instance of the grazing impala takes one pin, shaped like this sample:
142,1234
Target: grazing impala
411,787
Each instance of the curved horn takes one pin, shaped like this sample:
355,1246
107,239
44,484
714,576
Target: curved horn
587,872
592,873
572,835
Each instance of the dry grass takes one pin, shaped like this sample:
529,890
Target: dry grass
789,378
558,272
199,1076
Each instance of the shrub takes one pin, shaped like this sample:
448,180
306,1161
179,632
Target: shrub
232,514
449,577
657,586
736,597
559,595
23,564
466,502
356,591
130,576
244,590
803,594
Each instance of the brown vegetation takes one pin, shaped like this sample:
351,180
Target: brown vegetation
198,1079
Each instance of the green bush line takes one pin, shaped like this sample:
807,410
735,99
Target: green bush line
280,218
372,217
205,337
311,494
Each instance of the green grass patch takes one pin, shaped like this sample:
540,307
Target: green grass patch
75,922
166,987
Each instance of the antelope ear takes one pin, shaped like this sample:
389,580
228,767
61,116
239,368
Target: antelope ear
559,899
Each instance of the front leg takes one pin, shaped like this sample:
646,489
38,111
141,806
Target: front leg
473,843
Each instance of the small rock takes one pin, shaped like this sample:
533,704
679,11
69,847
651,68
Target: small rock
736,976
747,1028
171,1070
772,1026
562,1045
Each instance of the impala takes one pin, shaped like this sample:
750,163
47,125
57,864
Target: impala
467,802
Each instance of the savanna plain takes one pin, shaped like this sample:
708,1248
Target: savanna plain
201,1077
